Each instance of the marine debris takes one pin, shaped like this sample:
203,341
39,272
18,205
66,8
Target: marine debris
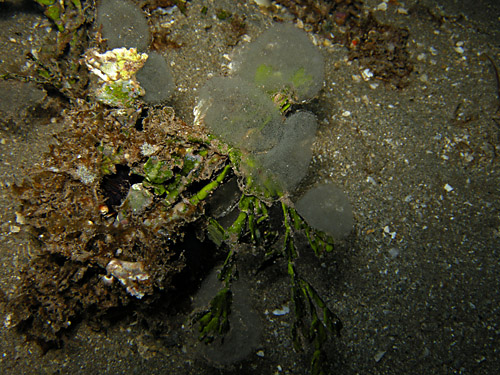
123,203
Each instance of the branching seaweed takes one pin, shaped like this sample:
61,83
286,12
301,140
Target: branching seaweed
314,321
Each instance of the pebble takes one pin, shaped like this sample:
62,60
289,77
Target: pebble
379,356
424,78
393,252
15,229
382,7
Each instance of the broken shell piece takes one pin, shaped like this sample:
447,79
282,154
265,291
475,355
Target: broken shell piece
367,74
116,70
114,65
131,275
263,3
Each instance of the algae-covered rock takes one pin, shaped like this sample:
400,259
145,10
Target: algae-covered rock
104,237
240,114
282,58
326,208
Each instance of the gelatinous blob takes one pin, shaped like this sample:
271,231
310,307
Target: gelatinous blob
289,160
240,114
283,57
326,208
156,79
123,24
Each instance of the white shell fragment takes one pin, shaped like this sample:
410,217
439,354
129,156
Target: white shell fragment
448,188
367,74
263,3
283,311
131,275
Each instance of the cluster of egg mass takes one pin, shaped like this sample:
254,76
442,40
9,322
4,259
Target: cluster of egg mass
240,110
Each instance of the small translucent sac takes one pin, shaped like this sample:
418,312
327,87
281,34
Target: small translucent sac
123,24
240,114
282,58
156,78
326,208
289,160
